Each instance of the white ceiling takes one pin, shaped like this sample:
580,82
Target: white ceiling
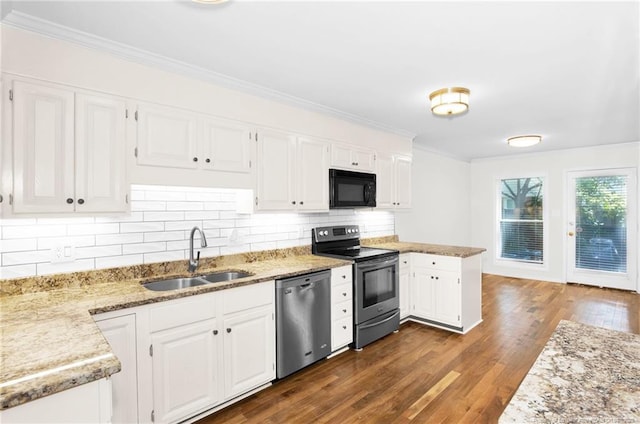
566,70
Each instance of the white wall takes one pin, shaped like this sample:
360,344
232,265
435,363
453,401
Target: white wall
440,201
157,230
553,166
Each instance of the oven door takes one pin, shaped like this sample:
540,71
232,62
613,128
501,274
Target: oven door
376,288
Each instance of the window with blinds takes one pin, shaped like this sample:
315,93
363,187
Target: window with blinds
601,231
521,219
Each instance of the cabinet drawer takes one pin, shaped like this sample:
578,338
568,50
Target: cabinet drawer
341,333
341,310
405,262
341,293
341,275
182,311
445,263
247,297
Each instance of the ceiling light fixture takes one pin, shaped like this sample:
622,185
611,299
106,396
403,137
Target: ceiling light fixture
524,140
210,1
449,101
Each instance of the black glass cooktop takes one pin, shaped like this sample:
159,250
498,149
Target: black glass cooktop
358,254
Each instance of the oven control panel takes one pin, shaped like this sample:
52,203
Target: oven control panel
342,232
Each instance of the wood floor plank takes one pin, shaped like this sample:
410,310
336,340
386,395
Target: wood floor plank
408,377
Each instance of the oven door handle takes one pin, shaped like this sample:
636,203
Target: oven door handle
377,264
362,327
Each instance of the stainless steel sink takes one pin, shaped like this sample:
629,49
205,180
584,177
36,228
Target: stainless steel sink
175,283
181,283
217,277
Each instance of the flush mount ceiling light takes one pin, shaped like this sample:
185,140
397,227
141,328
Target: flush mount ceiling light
210,1
449,101
524,140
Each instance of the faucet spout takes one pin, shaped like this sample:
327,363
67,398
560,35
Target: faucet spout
193,262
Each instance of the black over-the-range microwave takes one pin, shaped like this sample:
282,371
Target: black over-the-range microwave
349,189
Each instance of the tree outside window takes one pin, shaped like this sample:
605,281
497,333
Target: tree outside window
521,219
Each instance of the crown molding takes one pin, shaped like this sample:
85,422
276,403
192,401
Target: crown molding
50,29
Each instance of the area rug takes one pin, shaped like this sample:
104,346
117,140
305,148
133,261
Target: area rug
584,374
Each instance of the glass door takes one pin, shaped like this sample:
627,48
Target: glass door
601,228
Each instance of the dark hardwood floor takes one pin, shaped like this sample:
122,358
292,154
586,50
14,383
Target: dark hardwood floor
426,375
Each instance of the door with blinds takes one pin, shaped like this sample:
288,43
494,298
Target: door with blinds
601,228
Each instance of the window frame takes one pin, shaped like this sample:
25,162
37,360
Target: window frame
520,263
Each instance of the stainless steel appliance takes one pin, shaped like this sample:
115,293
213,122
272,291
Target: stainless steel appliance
348,189
303,321
375,280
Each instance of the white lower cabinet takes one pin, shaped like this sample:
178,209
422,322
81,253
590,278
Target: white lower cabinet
341,307
403,278
446,291
88,403
207,349
120,332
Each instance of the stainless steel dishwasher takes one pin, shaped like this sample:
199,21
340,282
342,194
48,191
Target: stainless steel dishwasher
303,321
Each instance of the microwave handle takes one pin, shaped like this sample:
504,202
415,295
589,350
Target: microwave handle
367,193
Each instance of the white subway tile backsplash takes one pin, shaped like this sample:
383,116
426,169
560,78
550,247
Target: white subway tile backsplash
122,238
141,227
128,249
118,261
32,230
163,216
18,245
157,229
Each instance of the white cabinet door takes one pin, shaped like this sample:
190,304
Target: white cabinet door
404,277
120,332
167,137
100,139
225,146
249,350
447,297
423,293
276,155
352,157
385,189
43,144
185,370
402,182
312,165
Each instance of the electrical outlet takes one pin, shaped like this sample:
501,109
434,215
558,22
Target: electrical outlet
62,253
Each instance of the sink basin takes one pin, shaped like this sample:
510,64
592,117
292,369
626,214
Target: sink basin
217,277
175,283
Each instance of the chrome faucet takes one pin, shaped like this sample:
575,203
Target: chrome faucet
193,263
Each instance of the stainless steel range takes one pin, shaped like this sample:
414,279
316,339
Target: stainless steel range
375,280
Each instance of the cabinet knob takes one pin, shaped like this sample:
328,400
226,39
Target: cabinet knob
437,278
228,330
207,160
81,201
344,311
293,202
432,277
69,200
215,332
344,327
433,263
1,198
344,276
344,294
404,262
301,202
195,159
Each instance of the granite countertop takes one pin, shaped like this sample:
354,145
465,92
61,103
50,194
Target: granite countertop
584,374
49,341
434,249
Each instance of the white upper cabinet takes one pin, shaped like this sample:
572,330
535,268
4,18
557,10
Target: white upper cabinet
276,158
68,150
166,137
292,172
393,181
313,174
43,148
352,157
101,183
225,145
170,137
